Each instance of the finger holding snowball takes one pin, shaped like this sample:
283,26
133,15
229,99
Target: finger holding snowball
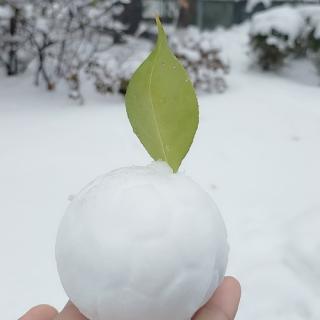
223,305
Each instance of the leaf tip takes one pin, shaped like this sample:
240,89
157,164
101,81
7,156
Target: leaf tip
158,22
160,27
161,104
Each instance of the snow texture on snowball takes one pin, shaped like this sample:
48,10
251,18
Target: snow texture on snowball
141,243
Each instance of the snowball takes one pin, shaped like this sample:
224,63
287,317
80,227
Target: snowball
141,243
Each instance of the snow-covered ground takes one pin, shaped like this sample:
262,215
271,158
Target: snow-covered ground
257,152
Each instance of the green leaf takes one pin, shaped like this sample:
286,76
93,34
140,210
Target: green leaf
162,105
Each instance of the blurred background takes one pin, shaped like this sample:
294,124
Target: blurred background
64,68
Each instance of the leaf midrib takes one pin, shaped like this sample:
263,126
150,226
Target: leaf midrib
153,108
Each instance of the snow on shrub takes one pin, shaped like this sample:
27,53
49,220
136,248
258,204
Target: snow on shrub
112,70
197,51
311,14
252,4
15,52
6,12
202,58
274,34
283,32
58,38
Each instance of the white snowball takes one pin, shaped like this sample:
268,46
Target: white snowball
141,243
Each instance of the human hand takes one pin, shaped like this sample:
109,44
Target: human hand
223,305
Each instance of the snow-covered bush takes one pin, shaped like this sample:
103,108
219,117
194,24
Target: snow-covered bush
59,36
314,48
275,34
197,51
251,5
286,31
112,70
311,14
67,34
202,58
15,52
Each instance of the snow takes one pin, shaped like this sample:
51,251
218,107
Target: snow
112,70
140,238
118,64
256,152
195,48
5,12
285,20
311,13
42,25
191,42
288,20
251,4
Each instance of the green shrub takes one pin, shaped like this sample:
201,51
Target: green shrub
286,32
268,54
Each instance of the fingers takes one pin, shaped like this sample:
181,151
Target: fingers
41,312
223,305
69,312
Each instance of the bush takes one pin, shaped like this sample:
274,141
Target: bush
111,71
202,58
275,34
15,51
313,52
59,42
311,15
58,38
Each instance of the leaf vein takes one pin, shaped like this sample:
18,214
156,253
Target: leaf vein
153,108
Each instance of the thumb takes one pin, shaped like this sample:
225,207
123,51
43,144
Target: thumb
41,312
70,312
223,305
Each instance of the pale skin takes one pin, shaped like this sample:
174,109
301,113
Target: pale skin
223,305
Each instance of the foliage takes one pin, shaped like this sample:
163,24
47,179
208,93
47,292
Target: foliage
60,40
268,54
59,36
162,105
15,52
202,58
312,34
274,39
112,70
196,50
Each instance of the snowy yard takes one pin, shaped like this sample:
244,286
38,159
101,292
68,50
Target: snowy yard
257,152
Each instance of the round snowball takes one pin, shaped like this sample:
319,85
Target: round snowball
141,243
